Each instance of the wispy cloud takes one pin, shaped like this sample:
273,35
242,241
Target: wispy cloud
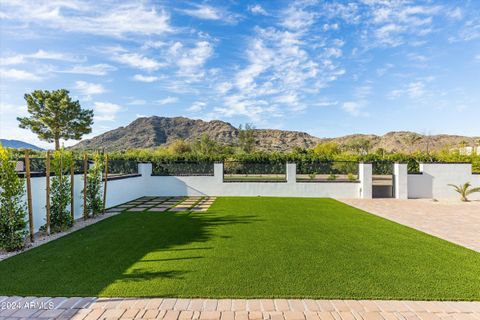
38,55
190,60
92,17
135,60
206,12
257,9
16,74
143,78
106,111
353,108
88,89
167,100
197,106
100,69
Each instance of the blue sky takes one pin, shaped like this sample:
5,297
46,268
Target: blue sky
325,67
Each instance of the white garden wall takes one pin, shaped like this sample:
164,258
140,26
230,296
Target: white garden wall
435,177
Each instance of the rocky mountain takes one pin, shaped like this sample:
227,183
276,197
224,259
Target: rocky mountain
159,131
17,144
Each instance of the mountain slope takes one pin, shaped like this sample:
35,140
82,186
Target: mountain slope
157,131
17,144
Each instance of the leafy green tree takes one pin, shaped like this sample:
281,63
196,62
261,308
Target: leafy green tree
12,206
55,116
179,146
205,145
359,145
246,138
327,149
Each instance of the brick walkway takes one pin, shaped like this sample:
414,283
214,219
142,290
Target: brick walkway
455,221
210,309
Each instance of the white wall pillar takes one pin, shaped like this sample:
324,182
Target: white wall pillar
401,180
365,177
145,169
218,172
291,172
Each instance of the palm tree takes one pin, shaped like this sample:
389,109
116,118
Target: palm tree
465,190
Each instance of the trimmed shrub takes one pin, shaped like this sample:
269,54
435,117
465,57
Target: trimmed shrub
60,216
12,205
94,186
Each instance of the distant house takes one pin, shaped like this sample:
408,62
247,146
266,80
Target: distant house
466,151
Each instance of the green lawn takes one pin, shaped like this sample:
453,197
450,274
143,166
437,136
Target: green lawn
248,247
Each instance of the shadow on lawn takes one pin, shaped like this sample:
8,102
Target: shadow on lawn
111,251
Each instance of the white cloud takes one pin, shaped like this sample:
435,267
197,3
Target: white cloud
297,18
137,102
353,108
88,89
106,111
38,55
16,74
167,100
99,18
100,69
190,61
206,12
257,9
284,66
137,60
142,78
197,106
413,90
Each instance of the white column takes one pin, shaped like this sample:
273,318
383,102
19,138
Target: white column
291,172
218,172
365,177
401,180
145,169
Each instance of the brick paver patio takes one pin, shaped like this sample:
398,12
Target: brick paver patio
226,309
455,221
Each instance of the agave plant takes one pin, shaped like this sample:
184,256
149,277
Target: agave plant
465,190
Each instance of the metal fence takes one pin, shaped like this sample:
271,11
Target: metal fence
122,167
182,168
312,171
241,171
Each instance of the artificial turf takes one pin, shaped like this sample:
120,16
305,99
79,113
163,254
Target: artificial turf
248,247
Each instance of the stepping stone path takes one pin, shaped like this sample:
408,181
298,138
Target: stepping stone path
162,204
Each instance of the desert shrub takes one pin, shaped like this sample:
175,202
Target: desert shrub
12,205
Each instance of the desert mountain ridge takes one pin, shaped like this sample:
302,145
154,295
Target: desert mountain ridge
155,131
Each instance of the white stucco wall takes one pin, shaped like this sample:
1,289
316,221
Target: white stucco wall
435,177
214,186
118,191
365,177
400,180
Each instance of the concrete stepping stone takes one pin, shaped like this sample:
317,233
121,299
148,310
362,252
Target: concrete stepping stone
136,209
178,209
158,209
